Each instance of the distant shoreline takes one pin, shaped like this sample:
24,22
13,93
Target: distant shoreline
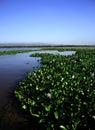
32,45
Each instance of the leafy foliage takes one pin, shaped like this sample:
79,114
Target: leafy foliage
61,94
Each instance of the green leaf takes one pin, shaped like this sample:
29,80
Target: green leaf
24,106
63,127
33,103
93,117
56,114
47,108
41,120
36,115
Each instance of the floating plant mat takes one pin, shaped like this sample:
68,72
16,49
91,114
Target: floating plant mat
61,94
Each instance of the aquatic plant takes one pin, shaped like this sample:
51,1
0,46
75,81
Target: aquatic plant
61,94
13,52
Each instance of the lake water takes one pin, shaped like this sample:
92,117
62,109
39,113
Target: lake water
55,52
24,48
13,68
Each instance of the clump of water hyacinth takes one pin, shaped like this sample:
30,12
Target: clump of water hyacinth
61,94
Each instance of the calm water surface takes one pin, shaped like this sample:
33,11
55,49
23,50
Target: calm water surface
24,48
65,53
13,68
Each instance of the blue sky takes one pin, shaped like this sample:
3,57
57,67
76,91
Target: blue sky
47,21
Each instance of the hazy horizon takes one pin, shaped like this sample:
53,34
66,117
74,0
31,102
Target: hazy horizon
51,22
42,44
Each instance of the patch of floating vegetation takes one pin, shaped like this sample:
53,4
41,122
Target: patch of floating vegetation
14,52
61,94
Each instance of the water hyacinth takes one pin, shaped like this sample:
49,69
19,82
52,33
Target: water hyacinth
48,95
92,74
62,79
49,76
61,94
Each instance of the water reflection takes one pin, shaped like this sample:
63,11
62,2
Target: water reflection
13,68
65,53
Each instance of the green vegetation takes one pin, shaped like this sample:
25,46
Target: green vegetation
64,48
13,52
59,48
61,94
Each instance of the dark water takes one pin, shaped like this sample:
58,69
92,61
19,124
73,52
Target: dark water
13,68
10,49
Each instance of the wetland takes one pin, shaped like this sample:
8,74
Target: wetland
36,85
